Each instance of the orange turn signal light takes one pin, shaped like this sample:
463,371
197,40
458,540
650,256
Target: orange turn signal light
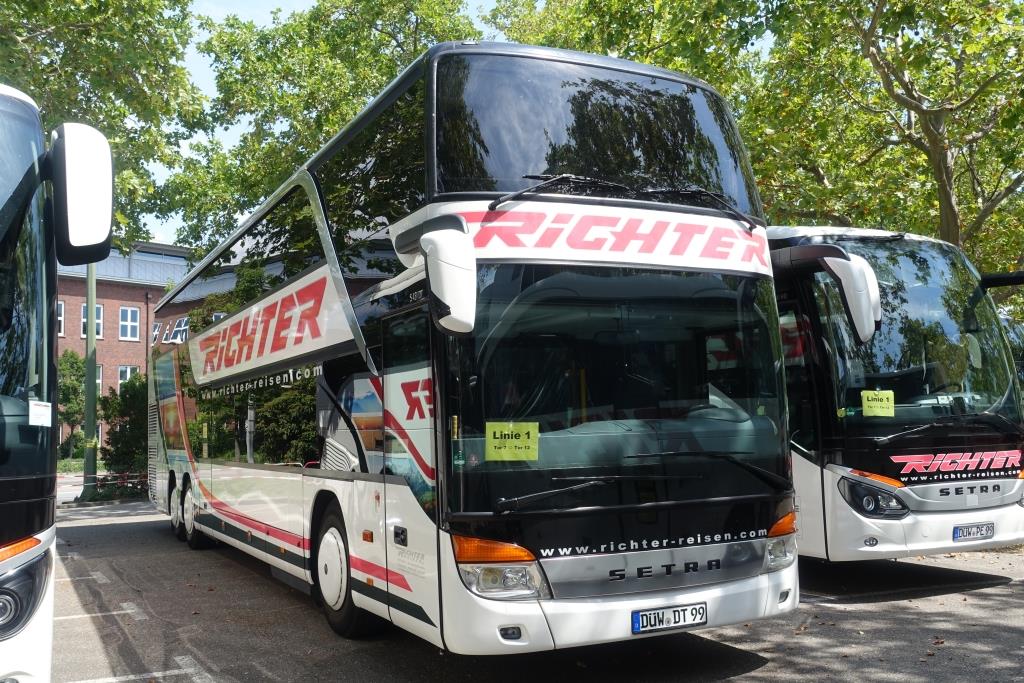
469,549
18,547
785,525
878,477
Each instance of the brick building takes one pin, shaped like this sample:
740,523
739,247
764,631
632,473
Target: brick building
128,287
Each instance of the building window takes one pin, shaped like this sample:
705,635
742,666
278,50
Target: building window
99,380
128,330
60,318
99,321
156,332
179,333
124,372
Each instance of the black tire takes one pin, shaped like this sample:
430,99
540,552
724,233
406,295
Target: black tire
174,510
195,538
344,617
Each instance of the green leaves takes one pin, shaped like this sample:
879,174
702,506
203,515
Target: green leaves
117,65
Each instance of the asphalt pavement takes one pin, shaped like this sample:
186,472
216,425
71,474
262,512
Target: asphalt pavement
133,603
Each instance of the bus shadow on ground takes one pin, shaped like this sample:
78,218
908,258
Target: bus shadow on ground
885,580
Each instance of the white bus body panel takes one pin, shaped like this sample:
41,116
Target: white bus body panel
810,520
272,495
556,624
919,533
28,656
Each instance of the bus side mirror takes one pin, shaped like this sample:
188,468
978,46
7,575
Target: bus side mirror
858,287
450,262
990,280
82,174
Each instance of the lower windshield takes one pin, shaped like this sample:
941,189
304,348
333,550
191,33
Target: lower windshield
940,351
660,386
25,400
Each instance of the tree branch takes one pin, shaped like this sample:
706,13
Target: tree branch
963,104
993,202
833,218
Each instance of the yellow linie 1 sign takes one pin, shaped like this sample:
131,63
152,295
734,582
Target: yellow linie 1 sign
512,441
878,403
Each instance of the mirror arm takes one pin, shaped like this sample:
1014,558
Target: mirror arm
805,257
990,280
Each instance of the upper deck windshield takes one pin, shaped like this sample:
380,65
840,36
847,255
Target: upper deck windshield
940,350
666,385
24,295
500,118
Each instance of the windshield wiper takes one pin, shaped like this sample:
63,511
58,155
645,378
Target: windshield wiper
510,504
694,190
777,482
994,420
547,180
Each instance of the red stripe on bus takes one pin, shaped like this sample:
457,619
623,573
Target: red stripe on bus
377,571
271,531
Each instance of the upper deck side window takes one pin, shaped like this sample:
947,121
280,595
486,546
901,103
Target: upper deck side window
275,249
502,117
377,177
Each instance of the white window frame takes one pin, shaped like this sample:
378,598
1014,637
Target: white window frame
99,321
121,322
179,334
155,334
123,377
60,318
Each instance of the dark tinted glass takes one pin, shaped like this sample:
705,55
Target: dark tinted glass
25,295
375,179
617,372
940,350
500,118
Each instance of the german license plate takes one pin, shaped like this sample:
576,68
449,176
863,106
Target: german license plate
974,532
661,618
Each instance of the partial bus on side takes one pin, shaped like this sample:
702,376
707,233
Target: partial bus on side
500,364
54,204
909,443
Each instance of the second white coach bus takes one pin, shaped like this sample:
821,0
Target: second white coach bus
463,372
910,443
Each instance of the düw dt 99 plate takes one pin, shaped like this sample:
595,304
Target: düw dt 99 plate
661,618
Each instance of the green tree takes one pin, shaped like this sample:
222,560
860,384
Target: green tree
71,394
294,85
117,65
124,411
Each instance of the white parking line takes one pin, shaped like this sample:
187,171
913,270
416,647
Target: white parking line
73,556
98,577
189,668
126,608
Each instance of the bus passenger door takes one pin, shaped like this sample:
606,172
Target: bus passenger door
410,482
804,403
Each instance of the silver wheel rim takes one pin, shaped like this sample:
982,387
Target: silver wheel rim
175,509
190,515
331,569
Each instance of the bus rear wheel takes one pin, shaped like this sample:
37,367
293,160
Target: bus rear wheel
334,581
195,538
174,508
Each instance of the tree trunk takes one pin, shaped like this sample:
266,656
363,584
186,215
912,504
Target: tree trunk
941,161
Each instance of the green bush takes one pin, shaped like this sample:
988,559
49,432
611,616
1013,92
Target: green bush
125,415
73,446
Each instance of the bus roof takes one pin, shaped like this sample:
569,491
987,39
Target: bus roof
8,91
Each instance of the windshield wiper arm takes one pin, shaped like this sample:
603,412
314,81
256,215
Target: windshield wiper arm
510,504
777,482
694,190
994,420
549,180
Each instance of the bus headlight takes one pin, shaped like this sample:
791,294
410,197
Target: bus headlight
780,552
499,570
505,582
21,591
871,501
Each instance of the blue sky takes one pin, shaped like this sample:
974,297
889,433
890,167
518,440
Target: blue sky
259,12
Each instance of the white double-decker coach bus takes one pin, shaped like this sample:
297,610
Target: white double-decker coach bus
55,203
465,371
908,443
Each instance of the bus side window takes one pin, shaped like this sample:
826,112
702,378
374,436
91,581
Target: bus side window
350,417
797,345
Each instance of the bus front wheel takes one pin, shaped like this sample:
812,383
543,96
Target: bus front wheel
334,580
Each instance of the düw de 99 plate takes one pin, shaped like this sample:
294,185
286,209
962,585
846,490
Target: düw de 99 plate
661,618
